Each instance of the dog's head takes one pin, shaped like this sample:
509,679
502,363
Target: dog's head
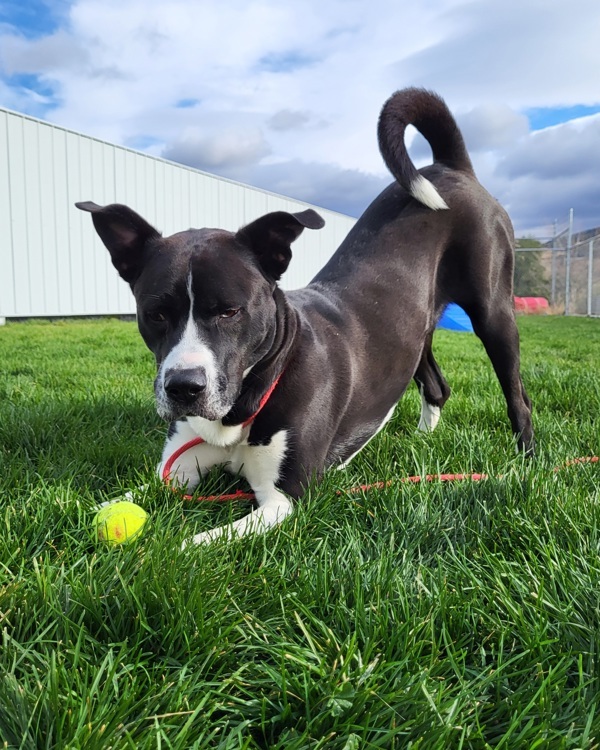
205,300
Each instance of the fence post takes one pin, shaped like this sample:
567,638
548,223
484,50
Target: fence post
590,268
553,293
568,268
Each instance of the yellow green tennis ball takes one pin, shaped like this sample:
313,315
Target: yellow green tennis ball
119,522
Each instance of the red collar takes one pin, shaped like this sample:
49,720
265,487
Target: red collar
166,472
263,400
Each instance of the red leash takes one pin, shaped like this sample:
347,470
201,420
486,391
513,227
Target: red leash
455,477
573,461
415,480
238,495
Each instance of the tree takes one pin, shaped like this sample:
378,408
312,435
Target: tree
531,272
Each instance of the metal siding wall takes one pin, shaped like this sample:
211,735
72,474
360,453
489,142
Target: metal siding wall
7,285
51,260
18,218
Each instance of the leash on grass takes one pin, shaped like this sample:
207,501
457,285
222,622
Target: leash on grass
416,479
456,477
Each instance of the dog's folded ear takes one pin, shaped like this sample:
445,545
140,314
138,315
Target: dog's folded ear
270,237
125,235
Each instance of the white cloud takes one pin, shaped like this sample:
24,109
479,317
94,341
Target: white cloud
563,151
492,126
287,95
230,149
525,53
59,51
289,119
551,171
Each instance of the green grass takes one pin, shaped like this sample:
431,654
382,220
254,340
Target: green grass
461,615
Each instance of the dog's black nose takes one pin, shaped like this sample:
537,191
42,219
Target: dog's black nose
184,386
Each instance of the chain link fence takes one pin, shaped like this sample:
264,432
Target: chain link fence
564,270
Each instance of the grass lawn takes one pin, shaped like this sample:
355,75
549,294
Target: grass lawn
462,615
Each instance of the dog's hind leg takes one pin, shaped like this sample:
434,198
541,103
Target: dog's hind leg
434,389
495,325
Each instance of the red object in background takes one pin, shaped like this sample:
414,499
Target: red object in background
532,305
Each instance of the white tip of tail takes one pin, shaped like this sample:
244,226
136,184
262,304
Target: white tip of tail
423,191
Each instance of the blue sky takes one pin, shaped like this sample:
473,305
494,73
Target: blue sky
33,18
546,117
286,96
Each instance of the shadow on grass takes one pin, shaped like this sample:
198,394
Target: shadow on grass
87,441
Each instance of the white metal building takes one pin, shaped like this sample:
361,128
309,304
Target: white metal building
51,261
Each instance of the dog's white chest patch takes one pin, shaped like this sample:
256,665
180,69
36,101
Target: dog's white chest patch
215,433
260,464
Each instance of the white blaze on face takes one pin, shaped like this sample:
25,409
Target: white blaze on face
189,353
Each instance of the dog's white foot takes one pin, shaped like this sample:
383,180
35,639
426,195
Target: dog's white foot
430,415
260,465
265,517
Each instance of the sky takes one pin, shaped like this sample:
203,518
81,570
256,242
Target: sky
285,94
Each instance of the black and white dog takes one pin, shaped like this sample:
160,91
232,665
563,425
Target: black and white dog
281,386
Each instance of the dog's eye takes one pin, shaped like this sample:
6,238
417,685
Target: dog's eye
230,313
156,316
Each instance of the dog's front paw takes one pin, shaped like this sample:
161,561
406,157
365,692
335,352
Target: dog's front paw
275,508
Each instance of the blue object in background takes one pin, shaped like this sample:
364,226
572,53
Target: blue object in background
454,318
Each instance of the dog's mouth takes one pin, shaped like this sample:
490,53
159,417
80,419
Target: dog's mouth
171,412
206,405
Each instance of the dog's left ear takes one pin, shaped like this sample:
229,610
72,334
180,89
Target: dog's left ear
270,238
124,234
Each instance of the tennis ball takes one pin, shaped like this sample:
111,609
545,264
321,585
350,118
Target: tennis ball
119,522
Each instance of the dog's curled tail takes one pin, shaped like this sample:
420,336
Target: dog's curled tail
431,117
